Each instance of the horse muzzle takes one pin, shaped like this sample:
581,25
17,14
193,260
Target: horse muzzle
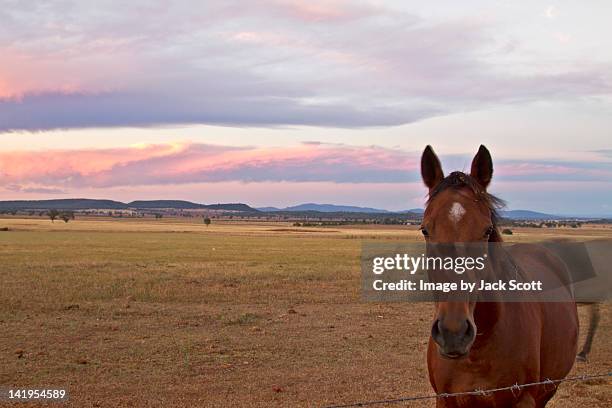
453,344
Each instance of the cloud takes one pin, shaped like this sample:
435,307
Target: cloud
34,112
318,11
274,62
604,153
192,163
185,163
16,188
547,170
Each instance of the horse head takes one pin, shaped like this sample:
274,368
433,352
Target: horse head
459,210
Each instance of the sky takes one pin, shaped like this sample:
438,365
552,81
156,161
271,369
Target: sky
279,102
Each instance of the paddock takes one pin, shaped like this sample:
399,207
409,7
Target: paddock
150,313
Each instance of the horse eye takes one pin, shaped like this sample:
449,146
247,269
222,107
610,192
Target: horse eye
424,232
489,231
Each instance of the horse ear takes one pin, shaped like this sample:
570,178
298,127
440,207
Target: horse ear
482,167
431,169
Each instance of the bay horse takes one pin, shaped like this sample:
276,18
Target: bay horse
490,344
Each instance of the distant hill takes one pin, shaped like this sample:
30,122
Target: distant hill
231,207
333,208
528,215
188,205
62,204
413,210
268,209
89,204
178,204
308,209
344,215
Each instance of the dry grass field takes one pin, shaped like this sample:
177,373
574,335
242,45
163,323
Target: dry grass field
152,313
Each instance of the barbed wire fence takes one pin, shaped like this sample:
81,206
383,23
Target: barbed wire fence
513,388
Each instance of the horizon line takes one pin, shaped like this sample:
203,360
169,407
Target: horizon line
281,208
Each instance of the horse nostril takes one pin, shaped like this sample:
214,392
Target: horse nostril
436,332
470,331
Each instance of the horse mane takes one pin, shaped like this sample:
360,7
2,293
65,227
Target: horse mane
457,180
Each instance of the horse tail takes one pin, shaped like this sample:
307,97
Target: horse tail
594,317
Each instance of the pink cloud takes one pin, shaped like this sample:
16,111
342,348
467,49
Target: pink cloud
20,165
566,170
181,163
317,11
184,163
523,169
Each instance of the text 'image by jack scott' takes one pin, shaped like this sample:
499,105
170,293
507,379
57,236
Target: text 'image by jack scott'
286,203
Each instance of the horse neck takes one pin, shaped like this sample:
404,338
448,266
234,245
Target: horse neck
487,314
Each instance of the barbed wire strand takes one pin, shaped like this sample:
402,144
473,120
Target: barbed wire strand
513,388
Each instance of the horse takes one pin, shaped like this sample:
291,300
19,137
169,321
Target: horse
480,345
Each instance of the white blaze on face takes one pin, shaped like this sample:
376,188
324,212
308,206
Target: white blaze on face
456,212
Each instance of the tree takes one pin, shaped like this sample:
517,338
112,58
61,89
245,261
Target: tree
507,231
53,214
207,221
67,216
